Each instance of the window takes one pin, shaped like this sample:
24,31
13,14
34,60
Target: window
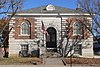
78,47
77,29
50,7
24,47
25,29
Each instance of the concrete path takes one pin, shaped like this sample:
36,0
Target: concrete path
48,66
53,61
31,66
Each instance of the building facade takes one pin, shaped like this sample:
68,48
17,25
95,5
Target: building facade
51,27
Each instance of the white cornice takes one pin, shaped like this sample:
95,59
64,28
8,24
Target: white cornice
52,14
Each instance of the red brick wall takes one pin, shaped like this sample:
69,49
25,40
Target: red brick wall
69,21
85,32
17,26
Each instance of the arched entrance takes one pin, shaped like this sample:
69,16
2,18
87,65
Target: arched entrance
51,38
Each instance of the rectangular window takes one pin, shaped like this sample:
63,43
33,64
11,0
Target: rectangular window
77,28
78,49
24,47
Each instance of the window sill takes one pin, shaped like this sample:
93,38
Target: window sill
77,35
24,35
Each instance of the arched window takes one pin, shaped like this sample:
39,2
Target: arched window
77,29
25,28
50,7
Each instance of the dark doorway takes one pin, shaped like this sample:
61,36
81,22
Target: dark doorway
51,38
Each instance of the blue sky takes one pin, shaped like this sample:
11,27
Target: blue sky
63,3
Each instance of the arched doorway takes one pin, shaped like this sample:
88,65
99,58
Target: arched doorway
51,38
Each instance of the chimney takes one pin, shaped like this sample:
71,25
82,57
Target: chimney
78,6
79,9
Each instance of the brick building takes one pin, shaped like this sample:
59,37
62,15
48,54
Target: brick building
51,27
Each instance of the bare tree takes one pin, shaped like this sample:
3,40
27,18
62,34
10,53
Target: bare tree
71,41
92,7
8,6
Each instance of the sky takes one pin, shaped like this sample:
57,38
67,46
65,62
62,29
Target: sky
27,4
36,3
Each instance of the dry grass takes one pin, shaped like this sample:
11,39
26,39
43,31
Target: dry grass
82,60
19,60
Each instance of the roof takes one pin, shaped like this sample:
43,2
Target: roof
42,9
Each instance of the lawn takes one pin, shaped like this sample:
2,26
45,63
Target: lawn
82,60
20,61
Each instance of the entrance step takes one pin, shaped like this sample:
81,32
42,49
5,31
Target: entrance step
51,55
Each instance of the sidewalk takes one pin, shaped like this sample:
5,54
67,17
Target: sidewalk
31,66
53,61
48,66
